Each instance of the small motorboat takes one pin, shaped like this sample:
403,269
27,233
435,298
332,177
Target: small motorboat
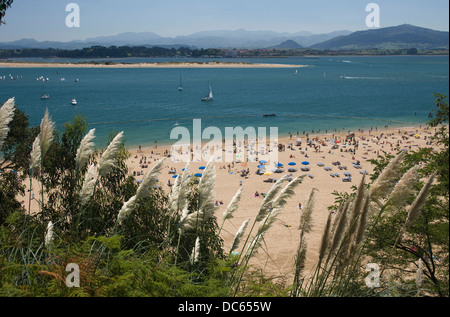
74,102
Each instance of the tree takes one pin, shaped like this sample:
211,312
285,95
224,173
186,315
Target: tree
402,246
14,162
4,4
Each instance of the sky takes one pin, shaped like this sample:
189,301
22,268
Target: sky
46,19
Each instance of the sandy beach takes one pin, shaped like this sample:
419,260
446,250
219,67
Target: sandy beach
281,241
146,65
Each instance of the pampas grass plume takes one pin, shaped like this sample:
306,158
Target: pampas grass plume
233,205
85,150
109,157
190,221
417,206
49,235
35,162
206,189
195,255
46,133
264,209
127,208
404,188
388,178
239,235
6,116
306,219
325,240
87,189
149,180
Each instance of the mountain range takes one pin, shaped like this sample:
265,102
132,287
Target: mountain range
397,37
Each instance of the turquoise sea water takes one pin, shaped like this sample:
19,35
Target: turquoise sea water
146,104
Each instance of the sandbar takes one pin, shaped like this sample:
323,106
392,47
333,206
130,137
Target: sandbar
145,65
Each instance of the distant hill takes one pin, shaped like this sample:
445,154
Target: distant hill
397,37
207,39
289,44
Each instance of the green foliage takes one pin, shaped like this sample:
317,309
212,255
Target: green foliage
4,4
427,239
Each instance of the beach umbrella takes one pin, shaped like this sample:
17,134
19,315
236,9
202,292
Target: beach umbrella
278,165
292,164
305,163
175,176
201,167
263,161
261,166
268,173
198,175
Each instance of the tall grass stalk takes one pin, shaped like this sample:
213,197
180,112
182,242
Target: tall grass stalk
239,234
6,116
109,157
304,228
35,165
85,150
386,181
143,191
231,208
46,138
274,207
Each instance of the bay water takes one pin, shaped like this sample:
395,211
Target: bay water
331,94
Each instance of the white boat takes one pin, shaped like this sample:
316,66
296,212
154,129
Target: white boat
74,102
180,88
296,72
45,96
210,97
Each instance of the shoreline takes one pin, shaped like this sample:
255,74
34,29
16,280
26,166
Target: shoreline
146,65
285,137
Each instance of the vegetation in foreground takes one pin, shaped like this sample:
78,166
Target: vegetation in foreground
128,240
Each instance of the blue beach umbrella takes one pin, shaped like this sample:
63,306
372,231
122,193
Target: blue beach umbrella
292,164
278,165
175,176
261,166
202,168
198,175
305,163
263,161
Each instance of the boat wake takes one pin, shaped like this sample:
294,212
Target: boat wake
366,78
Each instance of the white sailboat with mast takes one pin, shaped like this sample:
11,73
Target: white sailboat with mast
210,97
180,88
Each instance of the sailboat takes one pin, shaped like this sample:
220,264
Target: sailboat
210,96
180,88
44,96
